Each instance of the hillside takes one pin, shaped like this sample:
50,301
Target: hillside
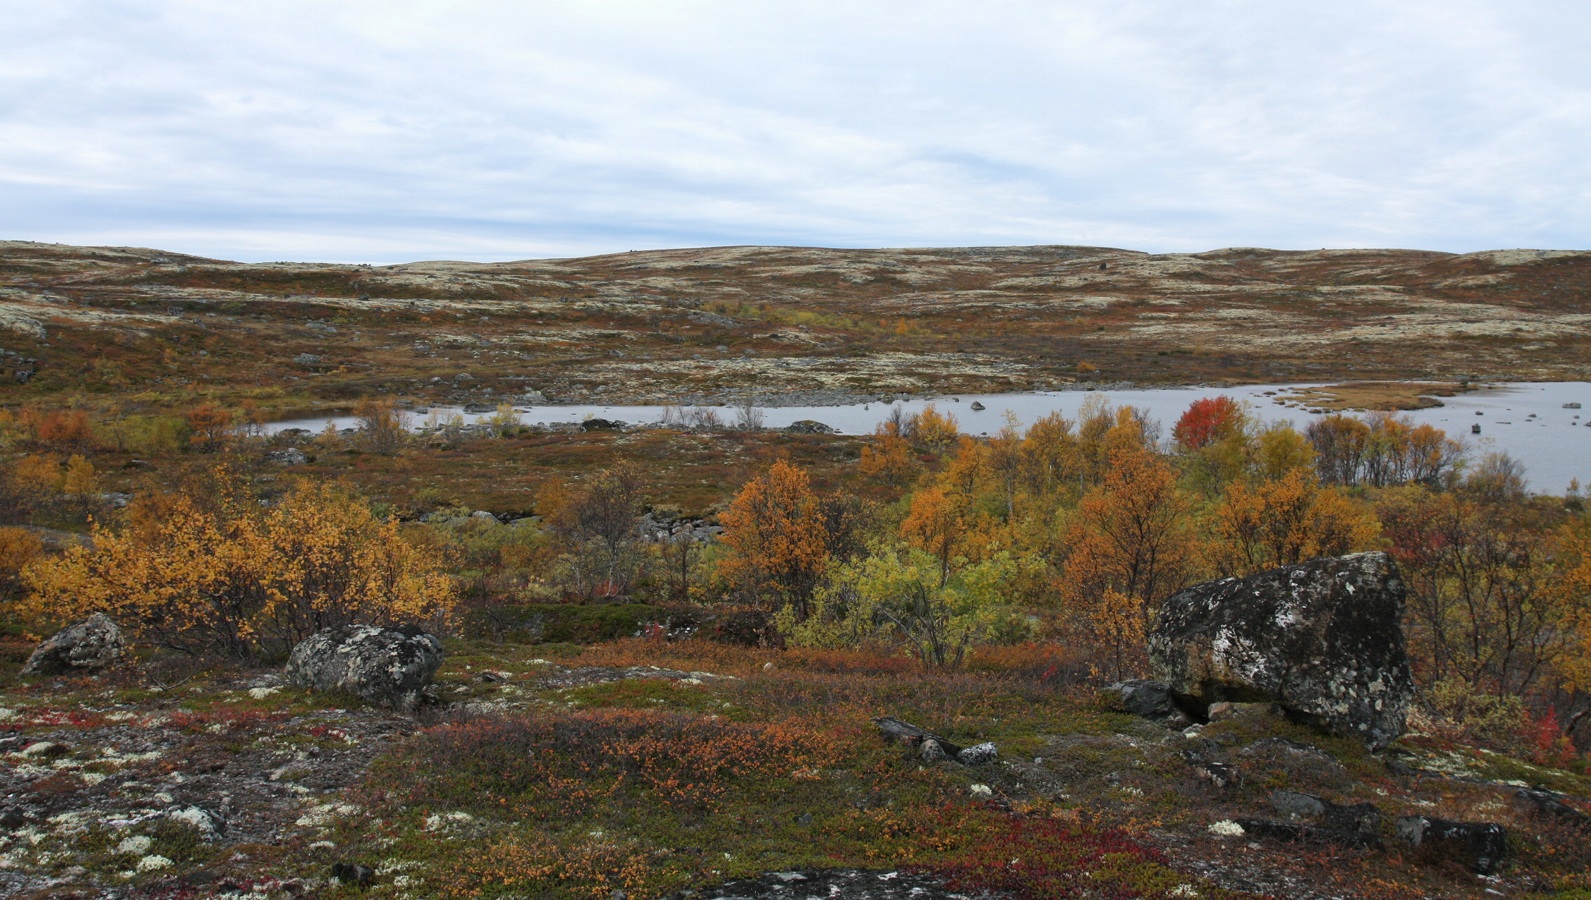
725,322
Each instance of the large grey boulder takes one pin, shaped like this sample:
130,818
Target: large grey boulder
89,646
1323,638
385,666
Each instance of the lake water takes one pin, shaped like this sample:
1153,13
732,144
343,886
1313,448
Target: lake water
1526,420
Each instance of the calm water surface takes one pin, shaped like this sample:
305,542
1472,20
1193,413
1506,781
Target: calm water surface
1527,420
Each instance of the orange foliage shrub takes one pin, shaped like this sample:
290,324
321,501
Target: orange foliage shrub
67,429
887,456
216,572
1288,520
936,525
1131,545
931,429
778,548
18,547
209,426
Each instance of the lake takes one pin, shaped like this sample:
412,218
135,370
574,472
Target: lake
1527,420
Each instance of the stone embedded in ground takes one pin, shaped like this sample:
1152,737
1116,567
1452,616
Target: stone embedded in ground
353,873
808,426
1152,700
978,754
385,666
930,751
1479,846
1322,638
89,646
1294,805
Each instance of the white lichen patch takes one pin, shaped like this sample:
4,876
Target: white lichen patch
447,821
322,814
153,863
38,748
136,845
260,693
1226,828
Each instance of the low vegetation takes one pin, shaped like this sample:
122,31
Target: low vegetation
666,648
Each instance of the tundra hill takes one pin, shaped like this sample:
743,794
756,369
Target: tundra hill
671,325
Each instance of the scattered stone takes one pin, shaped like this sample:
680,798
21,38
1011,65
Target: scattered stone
292,456
808,426
307,359
89,646
1322,638
1151,700
385,666
353,873
1222,775
1479,846
978,407
978,754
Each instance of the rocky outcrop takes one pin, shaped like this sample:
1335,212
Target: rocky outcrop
385,666
1323,639
89,646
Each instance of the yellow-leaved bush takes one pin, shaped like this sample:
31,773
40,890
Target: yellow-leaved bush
216,572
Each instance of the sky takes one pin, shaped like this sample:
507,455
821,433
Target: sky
365,131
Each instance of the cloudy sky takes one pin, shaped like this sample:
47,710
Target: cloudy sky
358,130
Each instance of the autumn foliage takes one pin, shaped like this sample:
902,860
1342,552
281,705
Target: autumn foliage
778,550
212,571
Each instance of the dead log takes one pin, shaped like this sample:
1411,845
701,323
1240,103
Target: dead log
907,733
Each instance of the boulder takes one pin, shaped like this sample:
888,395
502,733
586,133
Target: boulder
1480,847
1151,700
1323,639
88,646
808,426
384,666
601,425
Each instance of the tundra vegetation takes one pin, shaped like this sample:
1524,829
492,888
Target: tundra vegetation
666,646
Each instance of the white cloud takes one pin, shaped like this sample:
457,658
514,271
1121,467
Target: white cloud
392,130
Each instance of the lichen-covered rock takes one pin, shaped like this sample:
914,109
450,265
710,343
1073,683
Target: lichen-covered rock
385,666
88,646
978,754
1323,639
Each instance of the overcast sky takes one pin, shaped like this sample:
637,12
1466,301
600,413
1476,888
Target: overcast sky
388,131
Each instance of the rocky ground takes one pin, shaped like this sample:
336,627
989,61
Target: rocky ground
230,783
